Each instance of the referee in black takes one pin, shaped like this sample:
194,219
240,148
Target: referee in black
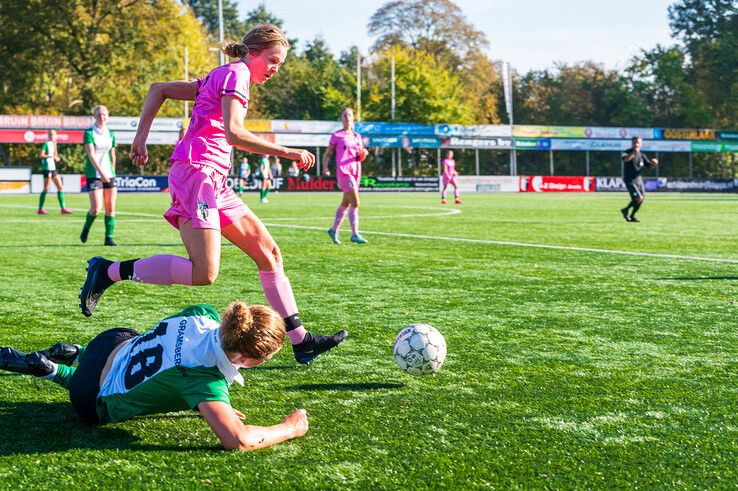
633,162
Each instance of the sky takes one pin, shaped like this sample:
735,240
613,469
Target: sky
530,34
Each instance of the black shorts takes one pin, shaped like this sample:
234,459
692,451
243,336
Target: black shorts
635,188
97,183
49,173
85,384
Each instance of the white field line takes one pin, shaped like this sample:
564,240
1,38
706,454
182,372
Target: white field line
449,239
524,244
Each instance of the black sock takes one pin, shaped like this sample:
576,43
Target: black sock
292,322
126,269
635,208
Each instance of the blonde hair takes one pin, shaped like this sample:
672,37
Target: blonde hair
252,330
97,109
256,40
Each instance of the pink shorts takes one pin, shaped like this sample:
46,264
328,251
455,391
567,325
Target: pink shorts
200,194
347,183
447,181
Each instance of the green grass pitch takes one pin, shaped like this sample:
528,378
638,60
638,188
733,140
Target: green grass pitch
606,357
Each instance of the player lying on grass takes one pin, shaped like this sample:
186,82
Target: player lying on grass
188,361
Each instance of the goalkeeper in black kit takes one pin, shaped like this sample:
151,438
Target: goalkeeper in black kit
633,162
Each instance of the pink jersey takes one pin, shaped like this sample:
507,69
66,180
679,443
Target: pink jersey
349,146
449,168
205,140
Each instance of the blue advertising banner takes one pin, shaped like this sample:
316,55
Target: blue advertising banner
474,131
673,184
383,141
142,184
402,141
394,129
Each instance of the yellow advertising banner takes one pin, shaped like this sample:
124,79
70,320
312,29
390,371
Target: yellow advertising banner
679,134
258,125
530,131
15,187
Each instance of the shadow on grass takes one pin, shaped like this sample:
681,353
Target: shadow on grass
701,278
375,386
48,427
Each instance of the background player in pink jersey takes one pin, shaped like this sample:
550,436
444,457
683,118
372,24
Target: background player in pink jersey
203,206
350,153
449,177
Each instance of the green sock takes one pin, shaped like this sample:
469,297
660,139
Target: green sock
261,194
63,375
109,226
41,200
266,191
80,353
60,195
89,220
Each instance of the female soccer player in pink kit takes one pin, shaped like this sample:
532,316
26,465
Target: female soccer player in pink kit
203,206
350,153
449,177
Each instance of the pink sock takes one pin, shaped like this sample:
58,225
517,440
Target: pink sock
162,269
278,292
340,214
443,194
456,193
353,214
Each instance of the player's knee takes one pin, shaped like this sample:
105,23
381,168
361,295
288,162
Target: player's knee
270,259
204,274
204,278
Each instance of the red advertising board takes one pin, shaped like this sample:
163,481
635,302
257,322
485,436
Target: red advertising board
39,136
312,184
557,184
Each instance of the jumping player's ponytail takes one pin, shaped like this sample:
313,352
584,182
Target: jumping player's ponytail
253,330
256,40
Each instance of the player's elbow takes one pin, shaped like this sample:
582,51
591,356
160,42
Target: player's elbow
156,90
249,439
233,136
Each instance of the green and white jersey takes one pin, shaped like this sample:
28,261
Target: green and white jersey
173,367
48,148
103,142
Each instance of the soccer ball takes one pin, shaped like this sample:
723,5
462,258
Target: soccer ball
420,349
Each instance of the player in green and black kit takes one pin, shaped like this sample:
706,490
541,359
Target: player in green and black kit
264,173
633,162
244,171
187,362
100,173
49,156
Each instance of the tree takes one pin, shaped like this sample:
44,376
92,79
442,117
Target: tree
77,54
577,95
426,92
207,12
434,26
708,30
661,79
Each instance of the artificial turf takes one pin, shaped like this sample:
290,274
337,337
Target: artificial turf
610,360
